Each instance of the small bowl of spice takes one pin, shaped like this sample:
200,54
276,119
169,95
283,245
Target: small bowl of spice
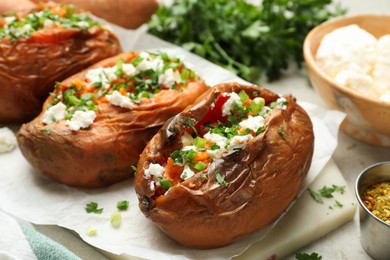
373,193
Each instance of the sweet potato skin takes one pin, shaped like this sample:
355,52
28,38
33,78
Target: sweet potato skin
264,177
103,153
30,67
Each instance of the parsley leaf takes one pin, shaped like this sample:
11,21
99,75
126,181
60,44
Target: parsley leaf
304,256
122,205
220,179
316,196
92,207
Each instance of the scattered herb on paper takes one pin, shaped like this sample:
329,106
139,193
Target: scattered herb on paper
327,192
122,205
92,207
316,196
249,40
305,256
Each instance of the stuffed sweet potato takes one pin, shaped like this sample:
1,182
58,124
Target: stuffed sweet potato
40,47
96,123
227,166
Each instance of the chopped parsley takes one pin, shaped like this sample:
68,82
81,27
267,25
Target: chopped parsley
281,132
92,207
220,179
122,205
327,192
305,256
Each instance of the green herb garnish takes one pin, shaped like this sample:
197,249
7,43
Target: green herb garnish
220,179
304,256
281,132
92,207
122,205
165,184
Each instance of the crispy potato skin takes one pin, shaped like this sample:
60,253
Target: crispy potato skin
103,153
264,177
30,67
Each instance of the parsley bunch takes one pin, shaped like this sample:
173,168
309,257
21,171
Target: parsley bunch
248,40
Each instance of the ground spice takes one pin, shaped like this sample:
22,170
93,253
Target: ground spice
376,198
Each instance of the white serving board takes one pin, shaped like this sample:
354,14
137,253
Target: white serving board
306,221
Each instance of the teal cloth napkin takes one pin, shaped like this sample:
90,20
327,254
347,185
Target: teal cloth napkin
44,247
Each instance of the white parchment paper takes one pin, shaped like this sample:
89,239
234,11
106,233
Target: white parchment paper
26,194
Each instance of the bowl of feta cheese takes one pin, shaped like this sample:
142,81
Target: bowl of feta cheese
348,63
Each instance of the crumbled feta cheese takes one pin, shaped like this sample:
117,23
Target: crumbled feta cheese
81,119
97,76
187,172
186,139
228,105
154,169
282,103
48,24
240,139
9,19
117,99
129,69
169,78
253,123
356,59
151,185
221,141
83,24
54,113
110,73
7,140
149,62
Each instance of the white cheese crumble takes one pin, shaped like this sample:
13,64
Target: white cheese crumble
169,78
83,24
228,105
97,76
220,140
9,19
81,119
7,140
253,122
187,172
54,113
117,99
240,139
154,169
282,103
48,24
186,139
129,69
357,60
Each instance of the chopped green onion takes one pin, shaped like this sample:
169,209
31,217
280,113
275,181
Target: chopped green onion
91,231
243,96
165,184
200,166
199,142
116,219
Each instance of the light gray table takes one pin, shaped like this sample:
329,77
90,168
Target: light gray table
351,156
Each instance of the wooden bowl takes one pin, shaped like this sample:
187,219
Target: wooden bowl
367,119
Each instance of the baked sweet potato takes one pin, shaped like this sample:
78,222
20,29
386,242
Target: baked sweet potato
40,47
227,166
96,123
